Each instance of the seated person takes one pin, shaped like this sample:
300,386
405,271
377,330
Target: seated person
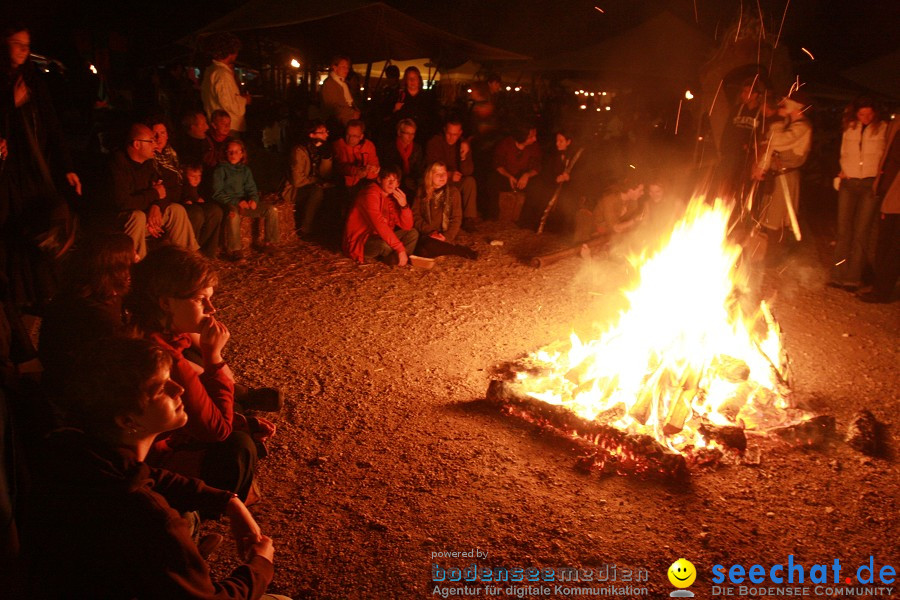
171,305
140,200
167,164
380,223
617,211
517,159
100,522
206,217
437,215
193,145
557,174
404,152
235,189
218,136
308,176
355,158
96,277
451,149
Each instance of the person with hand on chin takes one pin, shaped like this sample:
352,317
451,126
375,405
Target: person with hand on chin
101,522
380,224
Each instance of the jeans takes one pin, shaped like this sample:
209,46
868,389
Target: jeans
378,248
306,205
263,210
857,211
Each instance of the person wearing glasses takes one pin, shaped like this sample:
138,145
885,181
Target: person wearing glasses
308,176
142,205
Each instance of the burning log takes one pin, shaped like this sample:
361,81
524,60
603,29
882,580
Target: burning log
730,436
865,434
813,432
608,450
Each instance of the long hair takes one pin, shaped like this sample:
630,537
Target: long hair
417,73
429,178
849,118
169,272
99,267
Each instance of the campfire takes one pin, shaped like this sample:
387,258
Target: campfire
684,375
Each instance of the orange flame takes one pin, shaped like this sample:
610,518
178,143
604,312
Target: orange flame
684,352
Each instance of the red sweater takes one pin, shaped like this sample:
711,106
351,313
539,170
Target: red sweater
508,156
351,161
374,213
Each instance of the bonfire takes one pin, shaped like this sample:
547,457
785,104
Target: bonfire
689,367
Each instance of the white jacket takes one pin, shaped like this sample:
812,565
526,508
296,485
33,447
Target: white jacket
792,140
220,90
861,150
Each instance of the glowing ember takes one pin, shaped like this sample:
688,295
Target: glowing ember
685,355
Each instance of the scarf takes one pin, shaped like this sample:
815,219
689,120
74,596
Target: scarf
439,202
405,153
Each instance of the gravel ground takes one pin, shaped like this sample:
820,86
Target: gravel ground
386,452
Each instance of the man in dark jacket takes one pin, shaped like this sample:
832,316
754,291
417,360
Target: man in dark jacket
405,153
451,149
139,198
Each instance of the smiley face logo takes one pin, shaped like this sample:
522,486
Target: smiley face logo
682,573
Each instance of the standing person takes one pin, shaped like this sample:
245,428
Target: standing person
220,90
742,135
437,215
862,148
101,523
235,189
787,149
380,224
338,104
887,251
451,149
36,170
414,102
308,175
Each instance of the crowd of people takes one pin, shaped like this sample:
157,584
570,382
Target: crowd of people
140,426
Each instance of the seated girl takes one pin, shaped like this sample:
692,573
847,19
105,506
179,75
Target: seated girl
171,305
235,189
102,523
437,215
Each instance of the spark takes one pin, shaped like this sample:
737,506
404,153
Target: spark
737,33
713,105
597,8
840,262
678,118
808,53
688,95
780,27
93,69
696,14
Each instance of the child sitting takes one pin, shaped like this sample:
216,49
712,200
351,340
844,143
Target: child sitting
235,189
205,217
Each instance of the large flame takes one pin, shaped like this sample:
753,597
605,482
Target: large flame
682,354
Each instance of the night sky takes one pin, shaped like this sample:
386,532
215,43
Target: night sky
838,32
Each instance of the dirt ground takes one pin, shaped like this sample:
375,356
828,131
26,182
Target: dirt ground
386,453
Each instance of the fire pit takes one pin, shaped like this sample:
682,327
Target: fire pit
687,371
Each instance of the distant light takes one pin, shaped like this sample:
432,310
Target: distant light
508,88
608,108
295,63
369,98
599,9
688,95
592,94
469,91
93,69
518,88
808,53
583,106
599,109
602,93
581,91
46,70
700,139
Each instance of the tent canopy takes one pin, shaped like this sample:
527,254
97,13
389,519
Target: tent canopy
365,31
661,49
